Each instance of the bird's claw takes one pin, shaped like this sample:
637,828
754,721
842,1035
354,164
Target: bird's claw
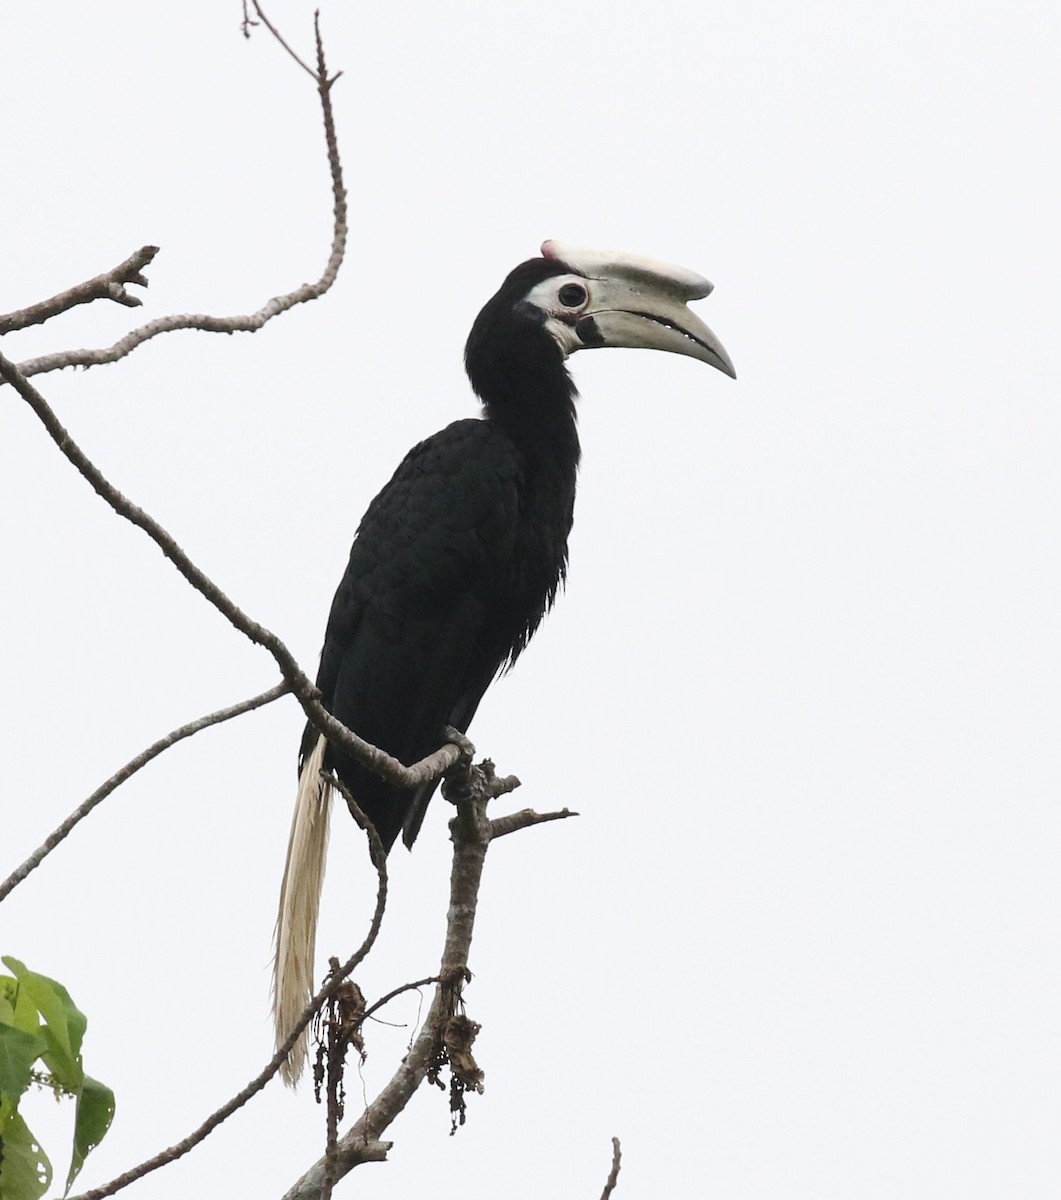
462,742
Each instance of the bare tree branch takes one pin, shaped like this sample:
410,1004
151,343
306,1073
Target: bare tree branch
332,984
130,769
108,286
613,1175
238,324
247,24
470,788
276,34
384,764
338,1028
299,683
523,819
395,992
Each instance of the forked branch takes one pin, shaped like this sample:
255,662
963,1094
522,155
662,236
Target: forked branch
470,788
108,286
298,682
105,285
333,983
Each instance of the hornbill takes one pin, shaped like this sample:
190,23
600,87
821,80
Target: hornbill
459,558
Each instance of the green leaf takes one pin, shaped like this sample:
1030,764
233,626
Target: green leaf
64,1023
66,1073
25,1172
95,1110
8,995
18,1052
55,1006
24,1014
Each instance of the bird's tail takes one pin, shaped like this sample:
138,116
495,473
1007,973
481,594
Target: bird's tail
300,894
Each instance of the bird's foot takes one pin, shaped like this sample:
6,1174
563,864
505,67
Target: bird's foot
458,783
462,742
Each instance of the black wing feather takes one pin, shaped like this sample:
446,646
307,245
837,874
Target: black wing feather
423,617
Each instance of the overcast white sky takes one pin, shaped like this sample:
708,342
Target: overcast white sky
803,943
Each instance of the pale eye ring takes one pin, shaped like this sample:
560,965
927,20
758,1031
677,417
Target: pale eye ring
572,295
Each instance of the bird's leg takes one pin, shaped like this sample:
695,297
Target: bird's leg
458,784
463,786
463,744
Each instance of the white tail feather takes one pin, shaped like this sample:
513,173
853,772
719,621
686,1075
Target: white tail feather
300,895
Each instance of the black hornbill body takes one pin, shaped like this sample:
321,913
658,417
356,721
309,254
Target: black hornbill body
460,556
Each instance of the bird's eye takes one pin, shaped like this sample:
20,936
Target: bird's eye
572,295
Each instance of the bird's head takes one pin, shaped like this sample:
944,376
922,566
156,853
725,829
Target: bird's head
575,299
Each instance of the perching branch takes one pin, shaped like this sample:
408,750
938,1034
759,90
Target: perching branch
470,788
250,323
130,769
298,682
332,985
108,286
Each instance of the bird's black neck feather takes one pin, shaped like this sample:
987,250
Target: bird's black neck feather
518,371
527,391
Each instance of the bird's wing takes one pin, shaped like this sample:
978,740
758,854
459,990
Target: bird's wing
413,638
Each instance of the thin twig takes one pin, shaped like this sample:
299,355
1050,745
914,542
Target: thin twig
391,995
379,861
511,822
130,769
276,34
301,687
382,763
239,324
246,24
613,1175
331,1149
108,286
370,1152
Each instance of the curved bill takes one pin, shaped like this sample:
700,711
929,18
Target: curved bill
639,302
653,332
